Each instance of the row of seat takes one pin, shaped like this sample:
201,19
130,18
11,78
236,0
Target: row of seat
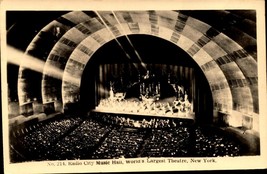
211,144
120,144
80,142
126,121
168,143
91,138
35,143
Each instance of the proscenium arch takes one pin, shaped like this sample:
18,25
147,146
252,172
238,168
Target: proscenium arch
162,34
223,100
198,40
84,58
95,83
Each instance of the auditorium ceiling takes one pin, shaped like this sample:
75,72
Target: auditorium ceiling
222,43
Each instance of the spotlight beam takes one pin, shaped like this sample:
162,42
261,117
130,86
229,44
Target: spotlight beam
128,39
26,61
120,45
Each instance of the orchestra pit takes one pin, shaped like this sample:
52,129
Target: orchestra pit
132,84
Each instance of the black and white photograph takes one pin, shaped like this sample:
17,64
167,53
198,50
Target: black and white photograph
154,89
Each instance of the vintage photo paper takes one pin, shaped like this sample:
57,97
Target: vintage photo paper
103,86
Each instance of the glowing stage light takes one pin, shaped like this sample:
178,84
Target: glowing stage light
25,61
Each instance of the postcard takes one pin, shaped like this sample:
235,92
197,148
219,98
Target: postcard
133,86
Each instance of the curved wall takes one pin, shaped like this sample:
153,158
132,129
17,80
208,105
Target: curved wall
228,62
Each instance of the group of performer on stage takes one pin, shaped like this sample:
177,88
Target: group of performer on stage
149,101
178,107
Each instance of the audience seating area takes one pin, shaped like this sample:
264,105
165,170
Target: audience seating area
79,142
210,144
91,137
168,143
34,144
120,143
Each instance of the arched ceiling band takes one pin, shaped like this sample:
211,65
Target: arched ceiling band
39,48
181,26
164,33
197,51
69,41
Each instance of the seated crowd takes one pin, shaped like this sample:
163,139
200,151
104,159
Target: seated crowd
36,142
120,144
167,143
213,144
126,121
101,136
80,142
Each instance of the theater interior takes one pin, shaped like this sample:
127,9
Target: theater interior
132,84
